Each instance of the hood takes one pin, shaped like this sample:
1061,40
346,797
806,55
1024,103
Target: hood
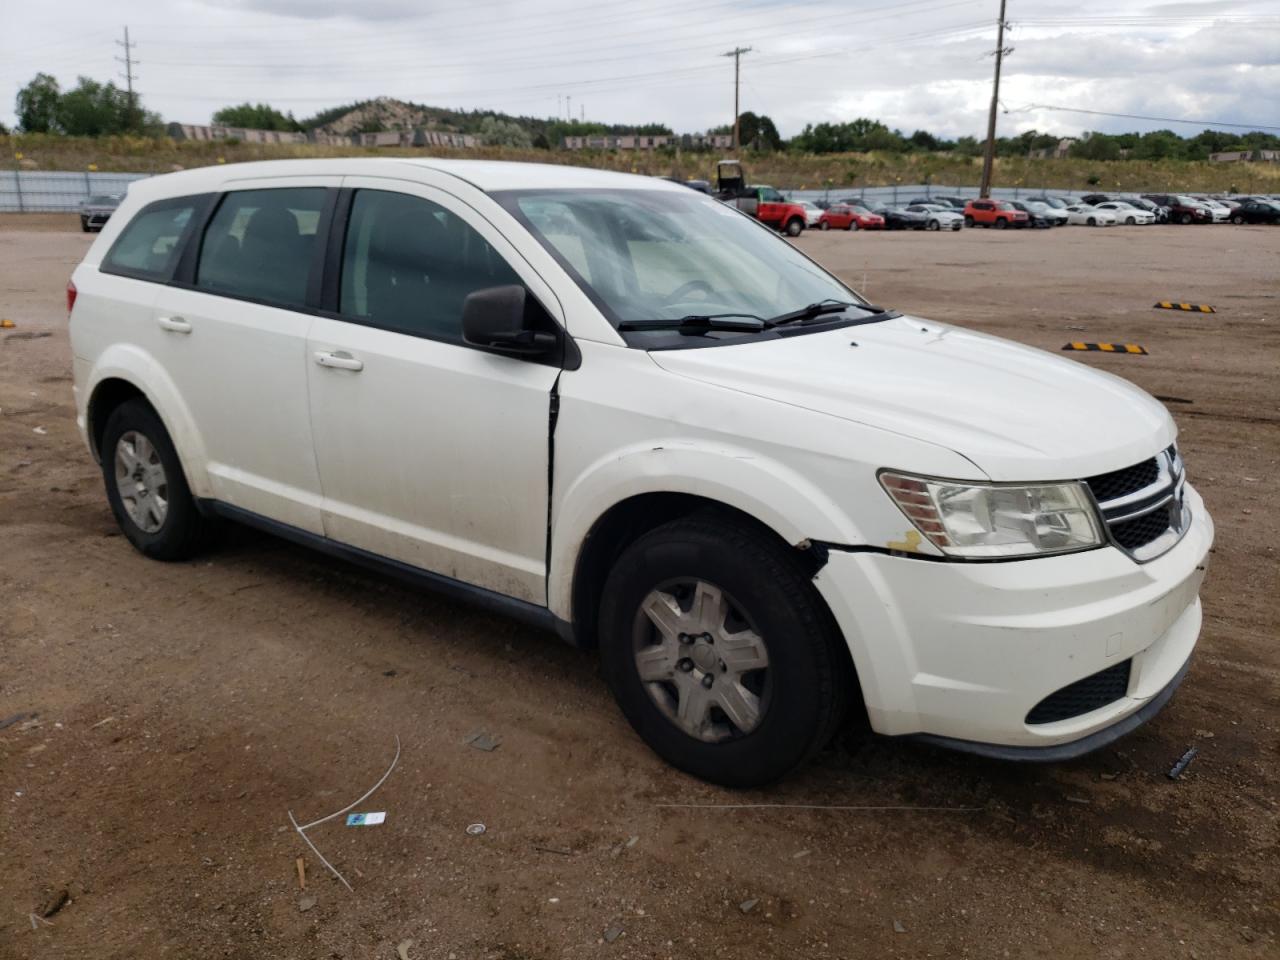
1018,413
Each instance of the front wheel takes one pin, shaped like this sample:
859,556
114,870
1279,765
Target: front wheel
1001,224
824,225
794,227
84,225
934,225
1130,221
720,652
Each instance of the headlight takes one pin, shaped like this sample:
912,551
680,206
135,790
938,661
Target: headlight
986,520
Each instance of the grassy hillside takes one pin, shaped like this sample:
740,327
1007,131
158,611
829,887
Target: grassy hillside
784,170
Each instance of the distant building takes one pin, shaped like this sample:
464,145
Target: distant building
608,141
1059,152
385,138
217,131
1241,156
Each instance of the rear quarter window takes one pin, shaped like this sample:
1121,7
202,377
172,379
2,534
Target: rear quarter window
149,246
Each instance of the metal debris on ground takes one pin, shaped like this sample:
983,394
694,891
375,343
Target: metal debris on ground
1183,762
746,906
1190,307
303,828
612,933
475,829
1107,347
898,927
482,741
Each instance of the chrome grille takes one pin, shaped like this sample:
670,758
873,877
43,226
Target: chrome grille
1143,505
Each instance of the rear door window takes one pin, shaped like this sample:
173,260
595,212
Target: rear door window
148,247
261,245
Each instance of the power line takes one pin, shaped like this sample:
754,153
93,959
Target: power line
1138,116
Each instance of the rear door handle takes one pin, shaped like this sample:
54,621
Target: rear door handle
340,360
174,325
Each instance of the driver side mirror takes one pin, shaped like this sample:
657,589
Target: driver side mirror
494,319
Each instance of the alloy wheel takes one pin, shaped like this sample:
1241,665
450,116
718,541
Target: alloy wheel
141,481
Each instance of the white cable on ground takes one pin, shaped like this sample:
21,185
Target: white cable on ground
302,830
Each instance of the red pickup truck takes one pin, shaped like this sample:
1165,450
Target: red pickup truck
994,213
762,202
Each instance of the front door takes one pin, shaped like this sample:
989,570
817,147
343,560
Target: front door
430,451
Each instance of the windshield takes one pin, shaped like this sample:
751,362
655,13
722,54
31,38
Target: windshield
1004,205
103,201
663,255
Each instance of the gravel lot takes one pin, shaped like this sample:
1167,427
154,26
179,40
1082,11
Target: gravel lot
181,710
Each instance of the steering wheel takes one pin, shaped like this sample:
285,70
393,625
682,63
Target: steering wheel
677,295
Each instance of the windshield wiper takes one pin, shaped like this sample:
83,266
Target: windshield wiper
820,308
747,322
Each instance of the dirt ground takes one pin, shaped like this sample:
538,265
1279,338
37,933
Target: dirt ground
178,712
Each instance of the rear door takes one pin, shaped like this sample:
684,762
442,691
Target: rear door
430,451
232,332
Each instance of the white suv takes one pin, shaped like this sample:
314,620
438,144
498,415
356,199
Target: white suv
624,411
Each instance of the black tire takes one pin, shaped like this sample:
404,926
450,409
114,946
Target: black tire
968,220
1130,221
1001,223
1093,222
824,225
1185,219
1237,219
795,226
84,225
933,225
184,531
853,225
802,698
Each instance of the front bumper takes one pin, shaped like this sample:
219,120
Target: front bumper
964,651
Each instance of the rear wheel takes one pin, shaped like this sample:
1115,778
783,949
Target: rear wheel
84,224
1185,218
824,225
720,652
794,227
968,220
1237,219
146,487
853,225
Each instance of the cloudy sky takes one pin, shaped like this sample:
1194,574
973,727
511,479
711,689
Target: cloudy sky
914,64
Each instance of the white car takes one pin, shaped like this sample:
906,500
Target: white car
1127,213
1221,212
1081,214
941,216
622,411
812,212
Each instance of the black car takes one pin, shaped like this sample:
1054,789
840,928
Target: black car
955,203
96,211
900,218
1255,211
1056,202
1035,217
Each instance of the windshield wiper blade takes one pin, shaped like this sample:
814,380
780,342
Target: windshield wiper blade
820,308
747,322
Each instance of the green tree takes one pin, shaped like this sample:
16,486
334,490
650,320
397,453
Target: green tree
503,133
37,105
93,109
256,116
758,132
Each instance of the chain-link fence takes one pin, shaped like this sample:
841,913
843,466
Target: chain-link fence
909,193
38,191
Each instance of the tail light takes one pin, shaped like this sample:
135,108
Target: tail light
71,296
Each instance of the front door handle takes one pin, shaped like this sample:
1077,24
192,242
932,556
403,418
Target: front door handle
340,360
174,325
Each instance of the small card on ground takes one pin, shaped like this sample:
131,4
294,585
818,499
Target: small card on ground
366,819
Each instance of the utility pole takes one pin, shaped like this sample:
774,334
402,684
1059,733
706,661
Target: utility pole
988,156
568,107
736,53
129,64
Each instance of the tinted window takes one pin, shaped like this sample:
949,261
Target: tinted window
148,246
408,264
260,245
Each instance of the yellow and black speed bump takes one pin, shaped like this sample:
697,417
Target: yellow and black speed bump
1191,307
1108,347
